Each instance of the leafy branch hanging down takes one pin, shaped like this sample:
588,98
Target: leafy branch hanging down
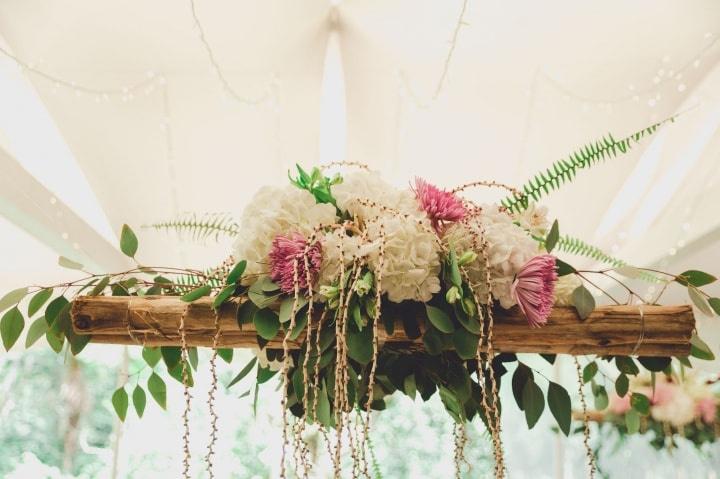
201,227
563,170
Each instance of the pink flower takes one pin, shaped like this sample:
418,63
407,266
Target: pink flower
283,253
707,409
533,289
441,206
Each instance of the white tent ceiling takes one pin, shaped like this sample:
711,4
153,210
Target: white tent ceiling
156,133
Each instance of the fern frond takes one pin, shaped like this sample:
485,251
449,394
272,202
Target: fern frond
565,170
201,227
576,246
215,277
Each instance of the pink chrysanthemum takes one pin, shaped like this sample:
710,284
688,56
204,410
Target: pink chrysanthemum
533,289
283,253
441,206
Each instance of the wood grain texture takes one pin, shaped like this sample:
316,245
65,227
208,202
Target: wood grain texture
610,330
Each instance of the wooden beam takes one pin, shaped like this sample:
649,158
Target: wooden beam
610,330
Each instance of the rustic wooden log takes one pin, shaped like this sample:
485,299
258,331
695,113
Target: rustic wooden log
610,330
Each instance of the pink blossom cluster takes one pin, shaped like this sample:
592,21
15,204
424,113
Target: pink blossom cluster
287,256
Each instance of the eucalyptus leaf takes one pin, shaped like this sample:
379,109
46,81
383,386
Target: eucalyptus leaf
223,296
632,421
432,342
552,237
266,323
245,313
521,376
158,389
68,263
286,307
465,343
563,269
626,365
196,293
589,372
12,298
100,287
236,273
151,355
171,355
264,374
139,399
654,364
601,397
36,331
226,354
640,403
559,403
243,372
700,350
128,241
715,305
700,302
360,345
120,403
38,301
583,301
439,319
621,385
533,403
11,325
695,278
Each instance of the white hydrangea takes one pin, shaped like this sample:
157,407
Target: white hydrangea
273,211
534,219
411,265
510,248
564,289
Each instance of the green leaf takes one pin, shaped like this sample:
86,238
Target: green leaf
695,278
521,376
157,389
589,372
223,295
563,269
152,355
559,402
286,307
533,403
246,312
226,354
583,301
549,357
700,302
621,385
654,364
266,323
700,350
236,273
120,403
632,421
100,287
455,277
640,403
258,296
715,305
176,372
37,301
12,298
53,309
323,408
68,263
36,331
601,397
626,365
629,272
196,293
439,319
465,343
11,325
264,374
300,323
193,358
171,355
243,372
433,343
360,345
552,237
128,241
409,386
139,400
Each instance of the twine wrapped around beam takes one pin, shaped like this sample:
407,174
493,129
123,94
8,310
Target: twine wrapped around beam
609,330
